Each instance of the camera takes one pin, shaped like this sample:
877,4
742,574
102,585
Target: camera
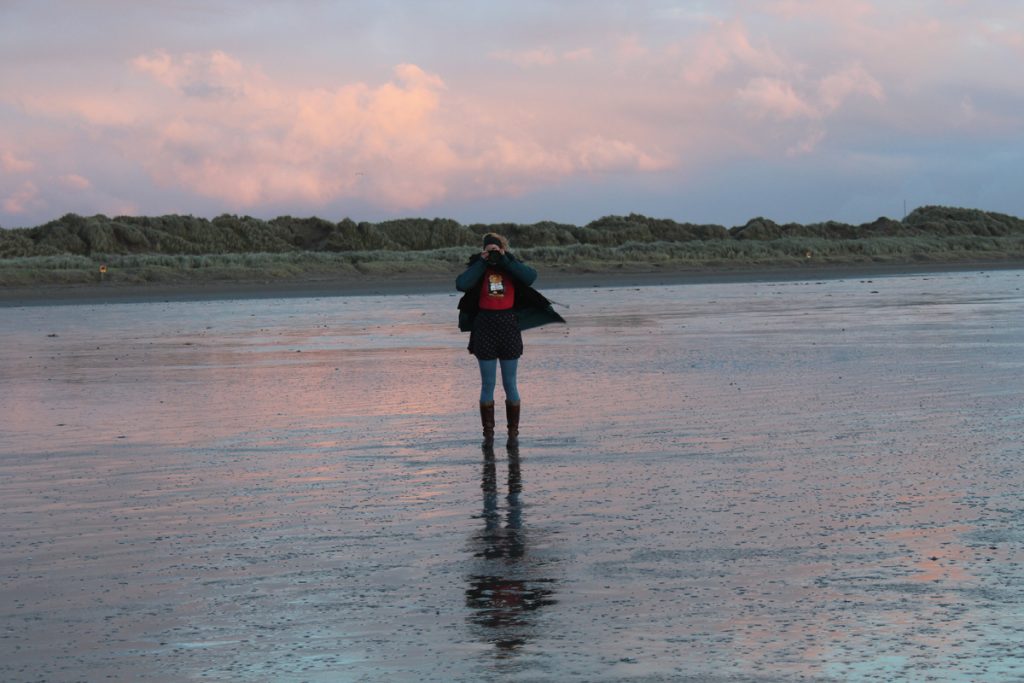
494,256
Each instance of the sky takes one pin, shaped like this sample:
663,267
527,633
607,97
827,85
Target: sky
704,112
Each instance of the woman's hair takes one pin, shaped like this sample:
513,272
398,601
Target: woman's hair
491,236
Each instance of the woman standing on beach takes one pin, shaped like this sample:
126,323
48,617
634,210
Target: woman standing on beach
497,305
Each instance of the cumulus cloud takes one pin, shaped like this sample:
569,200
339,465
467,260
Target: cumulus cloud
777,99
74,181
574,93
603,154
231,132
583,54
270,142
773,97
23,199
526,58
543,56
77,104
204,75
725,47
836,87
11,163
839,12
786,97
807,144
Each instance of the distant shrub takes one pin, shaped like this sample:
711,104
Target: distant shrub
419,234
15,243
943,220
632,238
308,234
543,234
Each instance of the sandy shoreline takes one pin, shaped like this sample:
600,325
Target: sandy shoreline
814,480
424,283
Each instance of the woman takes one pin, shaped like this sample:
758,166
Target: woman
497,305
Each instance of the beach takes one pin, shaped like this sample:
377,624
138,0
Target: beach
420,282
787,475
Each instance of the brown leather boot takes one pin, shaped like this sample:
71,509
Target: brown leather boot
512,413
487,420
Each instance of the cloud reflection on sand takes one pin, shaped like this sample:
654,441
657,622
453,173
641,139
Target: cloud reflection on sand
746,480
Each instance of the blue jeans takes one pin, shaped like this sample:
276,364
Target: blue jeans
488,377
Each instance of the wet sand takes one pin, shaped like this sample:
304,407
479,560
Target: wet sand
610,275
760,480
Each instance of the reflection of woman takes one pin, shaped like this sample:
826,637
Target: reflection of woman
497,305
505,590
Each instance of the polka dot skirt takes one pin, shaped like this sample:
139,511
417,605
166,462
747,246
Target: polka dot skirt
496,334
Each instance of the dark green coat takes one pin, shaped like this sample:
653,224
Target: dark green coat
531,308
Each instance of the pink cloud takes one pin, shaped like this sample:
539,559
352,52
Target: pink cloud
22,200
658,91
75,182
603,154
583,54
544,56
230,132
527,58
199,74
1004,35
92,108
253,140
727,46
839,12
808,143
13,164
836,87
773,97
631,48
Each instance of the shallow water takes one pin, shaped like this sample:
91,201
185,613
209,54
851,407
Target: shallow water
756,481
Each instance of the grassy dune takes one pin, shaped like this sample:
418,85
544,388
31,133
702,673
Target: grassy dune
173,249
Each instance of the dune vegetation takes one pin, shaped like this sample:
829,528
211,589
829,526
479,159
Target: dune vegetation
176,248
